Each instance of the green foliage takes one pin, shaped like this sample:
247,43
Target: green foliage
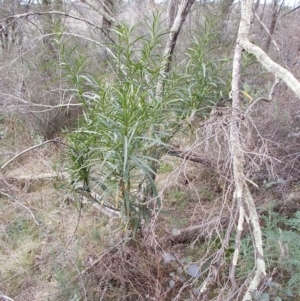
294,223
128,124
165,167
123,127
207,80
246,260
18,229
281,250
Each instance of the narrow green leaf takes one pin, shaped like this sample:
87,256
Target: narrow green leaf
147,171
289,293
203,69
264,297
125,155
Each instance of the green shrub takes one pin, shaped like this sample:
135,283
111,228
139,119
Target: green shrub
128,124
281,238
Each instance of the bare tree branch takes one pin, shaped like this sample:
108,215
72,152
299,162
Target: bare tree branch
5,298
26,15
241,192
269,99
244,30
27,150
101,11
190,156
201,231
297,7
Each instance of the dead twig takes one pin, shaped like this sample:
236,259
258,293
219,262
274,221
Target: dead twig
190,156
269,99
26,15
5,298
201,231
23,206
27,150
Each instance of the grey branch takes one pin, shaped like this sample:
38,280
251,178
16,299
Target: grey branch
27,150
25,15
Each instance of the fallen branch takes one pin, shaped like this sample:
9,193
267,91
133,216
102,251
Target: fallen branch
198,231
269,99
5,298
190,156
44,176
27,150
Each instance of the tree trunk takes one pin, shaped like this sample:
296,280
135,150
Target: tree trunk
275,13
242,195
172,11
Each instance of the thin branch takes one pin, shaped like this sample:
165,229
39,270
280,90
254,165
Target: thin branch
6,298
27,150
274,68
237,247
78,220
269,99
260,271
102,12
291,11
21,205
49,107
268,32
26,15
201,231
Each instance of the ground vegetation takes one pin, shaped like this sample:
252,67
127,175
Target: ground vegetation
149,150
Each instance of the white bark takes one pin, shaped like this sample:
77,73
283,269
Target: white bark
244,30
237,158
258,244
236,253
172,8
241,193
